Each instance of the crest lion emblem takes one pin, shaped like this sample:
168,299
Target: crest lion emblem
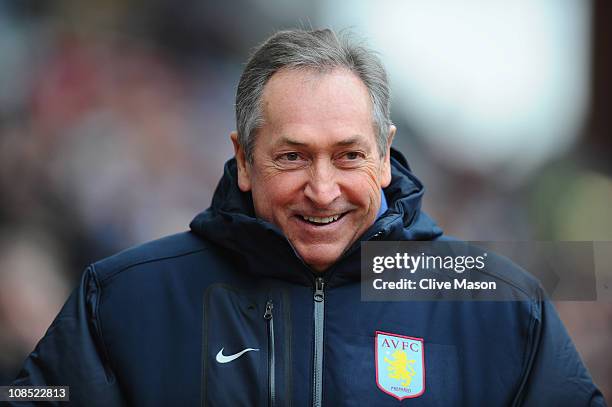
400,365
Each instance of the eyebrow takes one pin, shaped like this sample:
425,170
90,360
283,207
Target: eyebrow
285,140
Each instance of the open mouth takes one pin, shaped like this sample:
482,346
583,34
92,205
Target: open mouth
321,220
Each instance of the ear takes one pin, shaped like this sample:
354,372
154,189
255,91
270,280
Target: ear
244,176
385,176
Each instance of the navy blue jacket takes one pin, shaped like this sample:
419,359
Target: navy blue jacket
146,326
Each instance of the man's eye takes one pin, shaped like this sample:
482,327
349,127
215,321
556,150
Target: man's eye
350,159
291,159
292,156
353,155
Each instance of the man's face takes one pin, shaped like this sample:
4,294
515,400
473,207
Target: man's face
316,170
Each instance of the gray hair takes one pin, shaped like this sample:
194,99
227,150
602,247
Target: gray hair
320,50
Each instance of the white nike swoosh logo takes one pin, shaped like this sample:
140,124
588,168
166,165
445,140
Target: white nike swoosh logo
221,358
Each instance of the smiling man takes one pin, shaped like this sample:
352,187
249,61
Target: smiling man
316,170
259,303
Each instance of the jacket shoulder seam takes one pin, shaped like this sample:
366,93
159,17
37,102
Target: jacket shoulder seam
98,326
517,286
113,274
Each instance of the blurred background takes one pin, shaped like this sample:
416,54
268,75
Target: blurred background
115,116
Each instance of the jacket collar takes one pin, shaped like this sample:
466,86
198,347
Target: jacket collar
230,222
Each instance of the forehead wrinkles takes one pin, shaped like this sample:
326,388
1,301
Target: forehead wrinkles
297,94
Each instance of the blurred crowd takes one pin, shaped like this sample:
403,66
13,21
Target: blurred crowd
114,124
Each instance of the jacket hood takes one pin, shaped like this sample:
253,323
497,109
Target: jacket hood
230,222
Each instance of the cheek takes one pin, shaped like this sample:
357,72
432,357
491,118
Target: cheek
363,186
369,177
272,193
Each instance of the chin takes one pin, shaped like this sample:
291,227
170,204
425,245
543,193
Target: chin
321,263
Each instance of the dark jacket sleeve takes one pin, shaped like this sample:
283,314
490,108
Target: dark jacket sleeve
72,352
556,375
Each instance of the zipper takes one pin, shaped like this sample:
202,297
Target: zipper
271,385
319,306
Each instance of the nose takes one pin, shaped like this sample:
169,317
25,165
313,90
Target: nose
322,187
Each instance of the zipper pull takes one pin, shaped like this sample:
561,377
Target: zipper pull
319,285
269,306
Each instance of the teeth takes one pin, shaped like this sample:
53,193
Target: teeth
316,219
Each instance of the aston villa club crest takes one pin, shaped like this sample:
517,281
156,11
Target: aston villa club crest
400,365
